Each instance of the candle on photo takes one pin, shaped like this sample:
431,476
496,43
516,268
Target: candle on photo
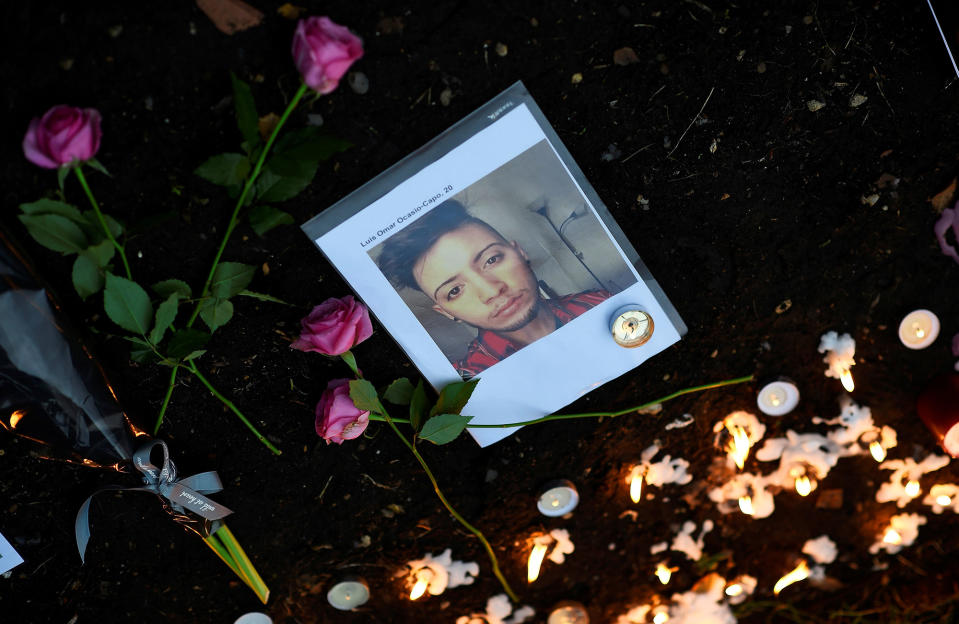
919,329
938,407
568,612
557,498
778,398
348,594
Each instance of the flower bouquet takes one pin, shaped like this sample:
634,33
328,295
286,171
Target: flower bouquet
53,392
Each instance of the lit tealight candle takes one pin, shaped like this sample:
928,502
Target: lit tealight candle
348,594
557,498
919,329
568,612
423,577
938,407
778,398
912,488
254,617
878,453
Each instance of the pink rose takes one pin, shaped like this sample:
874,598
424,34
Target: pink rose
334,327
63,136
337,419
323,51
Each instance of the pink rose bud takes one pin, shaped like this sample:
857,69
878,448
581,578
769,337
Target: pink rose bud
337,419
63,136
323,51
334,327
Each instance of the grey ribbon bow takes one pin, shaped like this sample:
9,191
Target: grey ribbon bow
182,495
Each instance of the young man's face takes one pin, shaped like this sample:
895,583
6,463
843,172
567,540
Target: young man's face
474,275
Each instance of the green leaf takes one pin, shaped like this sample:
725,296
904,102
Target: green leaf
98,166
186,341
310,143
172,286
166,314
216,313
142,352
419,406
194,355
364,396
262,297
399,392
230,278
246,118
283,178
127,304
55,232
116,228
265,218
88,268
225,169
50,206
62,173
444,428
453,397
350,360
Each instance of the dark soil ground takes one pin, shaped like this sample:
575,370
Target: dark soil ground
774,213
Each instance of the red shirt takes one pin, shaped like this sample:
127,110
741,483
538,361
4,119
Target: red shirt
488,347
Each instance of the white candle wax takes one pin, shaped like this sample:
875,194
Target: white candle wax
348,594
558,499
919,329
778,398
568,613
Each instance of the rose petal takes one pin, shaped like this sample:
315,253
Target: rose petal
947,220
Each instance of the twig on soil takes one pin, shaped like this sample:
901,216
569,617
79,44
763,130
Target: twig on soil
881,92
815,14
643,148
374,482
701,109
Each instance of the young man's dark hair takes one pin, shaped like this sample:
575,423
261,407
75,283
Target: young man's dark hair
402,250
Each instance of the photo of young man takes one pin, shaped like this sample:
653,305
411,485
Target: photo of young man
474,275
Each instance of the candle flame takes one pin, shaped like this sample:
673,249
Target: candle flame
15,418
878,453
636,483
803,485
800,573
746,505
943,500
892,536
738,447
423,578
920,332
664,573
912,488
734,590
660,617
846,379
535,562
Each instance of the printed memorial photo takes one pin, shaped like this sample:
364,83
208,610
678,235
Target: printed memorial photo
486,254
501,264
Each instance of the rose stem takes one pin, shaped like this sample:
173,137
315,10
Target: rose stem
166,399
232,407
455,514
718,384
242,199
103,223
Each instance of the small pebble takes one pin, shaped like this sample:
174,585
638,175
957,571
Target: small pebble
358,82
445,96
761,68
314,119
576,78
814,105
115,31
501,49
857,100
66,64
625,56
